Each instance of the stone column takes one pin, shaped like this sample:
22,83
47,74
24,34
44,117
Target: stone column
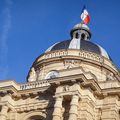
57,113
3,114
73,113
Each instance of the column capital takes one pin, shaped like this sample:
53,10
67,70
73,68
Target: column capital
75,96
59,97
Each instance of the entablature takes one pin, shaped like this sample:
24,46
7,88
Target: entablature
86,80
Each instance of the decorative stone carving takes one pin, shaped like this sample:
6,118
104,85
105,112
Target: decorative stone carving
40,73
110,76
32,75
71,63
66,88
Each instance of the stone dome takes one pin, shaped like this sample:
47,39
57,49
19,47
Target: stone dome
66,57
80,39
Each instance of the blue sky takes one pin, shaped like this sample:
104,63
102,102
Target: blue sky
29,27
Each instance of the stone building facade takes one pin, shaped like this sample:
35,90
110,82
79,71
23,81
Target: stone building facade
73,80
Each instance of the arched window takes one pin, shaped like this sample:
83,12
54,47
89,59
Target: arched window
77,36
34,115
52,74
83,36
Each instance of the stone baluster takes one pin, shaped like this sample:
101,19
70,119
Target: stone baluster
3,114
57,113
73,113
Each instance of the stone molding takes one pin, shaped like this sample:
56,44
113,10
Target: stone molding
82,55
34,87
30,107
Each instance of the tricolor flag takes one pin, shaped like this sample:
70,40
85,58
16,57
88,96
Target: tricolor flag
85,16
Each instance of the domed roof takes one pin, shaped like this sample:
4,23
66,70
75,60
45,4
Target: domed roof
83,45
81,27
80,40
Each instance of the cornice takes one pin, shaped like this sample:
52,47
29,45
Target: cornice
61,55
85,79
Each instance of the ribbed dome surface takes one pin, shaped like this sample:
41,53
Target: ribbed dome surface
83,45
80,40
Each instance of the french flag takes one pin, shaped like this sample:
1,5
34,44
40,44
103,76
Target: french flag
85,16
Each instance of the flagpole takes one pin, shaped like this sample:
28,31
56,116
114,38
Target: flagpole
81,23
